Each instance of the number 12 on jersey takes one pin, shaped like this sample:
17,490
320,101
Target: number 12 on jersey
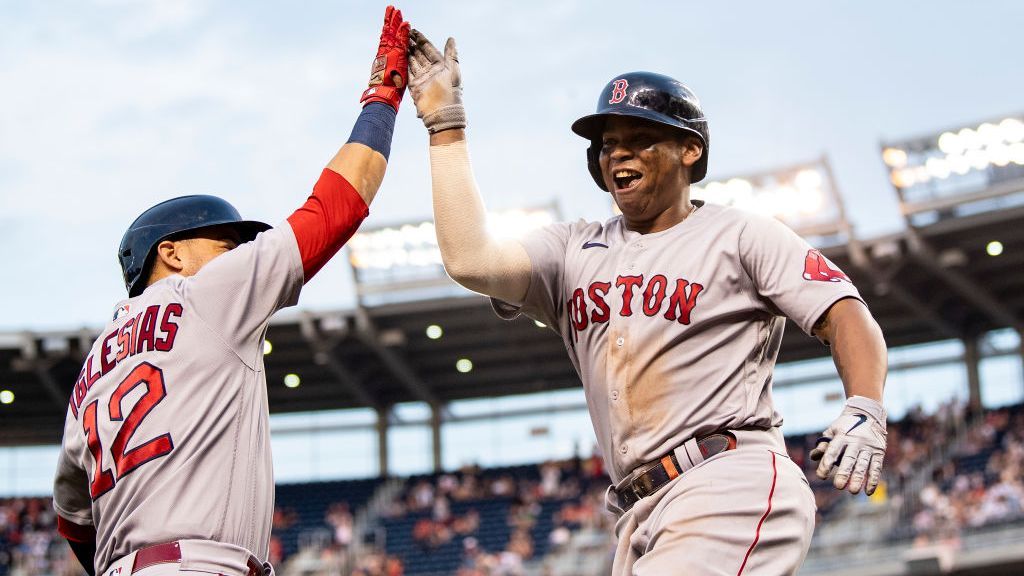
125,461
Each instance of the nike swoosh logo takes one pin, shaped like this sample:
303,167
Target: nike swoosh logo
861,419
594,245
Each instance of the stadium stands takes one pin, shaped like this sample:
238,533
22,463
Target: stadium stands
317,507
516,520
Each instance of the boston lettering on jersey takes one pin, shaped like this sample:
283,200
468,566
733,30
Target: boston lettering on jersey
630,295
151,329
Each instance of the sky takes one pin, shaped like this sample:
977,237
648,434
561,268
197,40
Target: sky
109,106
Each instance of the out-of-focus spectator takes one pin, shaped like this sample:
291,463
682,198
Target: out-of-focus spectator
466,524
550,478
283,518
442,512
422,495
378,564
339,517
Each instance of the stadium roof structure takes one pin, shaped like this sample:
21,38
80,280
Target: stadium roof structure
955,272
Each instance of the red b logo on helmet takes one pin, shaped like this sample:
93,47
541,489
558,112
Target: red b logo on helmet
619,91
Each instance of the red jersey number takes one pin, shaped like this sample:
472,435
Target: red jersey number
125,461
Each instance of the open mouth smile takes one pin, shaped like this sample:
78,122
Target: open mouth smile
626,179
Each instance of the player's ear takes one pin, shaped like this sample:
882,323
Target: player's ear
169,256
690,151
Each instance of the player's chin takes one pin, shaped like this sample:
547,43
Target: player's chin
632,203
628,206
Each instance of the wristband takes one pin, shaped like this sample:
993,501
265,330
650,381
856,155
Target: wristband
445,118
375,127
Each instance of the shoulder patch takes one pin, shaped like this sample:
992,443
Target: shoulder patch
817,268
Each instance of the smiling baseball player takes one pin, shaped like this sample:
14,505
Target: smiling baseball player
166,463
672,314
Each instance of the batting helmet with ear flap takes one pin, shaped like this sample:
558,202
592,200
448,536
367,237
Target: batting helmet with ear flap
170,218
654,97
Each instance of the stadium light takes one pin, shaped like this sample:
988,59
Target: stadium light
955,153
434,332
6,397
994,248
464,365
517,223
415,245
267,347
292,380
802,196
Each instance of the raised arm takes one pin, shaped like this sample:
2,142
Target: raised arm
471,255
341,197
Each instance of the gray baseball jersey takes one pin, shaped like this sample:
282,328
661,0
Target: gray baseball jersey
166,435
675,334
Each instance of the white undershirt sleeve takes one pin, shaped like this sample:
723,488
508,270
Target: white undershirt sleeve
499,268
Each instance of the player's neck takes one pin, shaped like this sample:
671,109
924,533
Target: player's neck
159,272
662,221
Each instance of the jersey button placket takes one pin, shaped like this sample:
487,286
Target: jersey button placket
619,371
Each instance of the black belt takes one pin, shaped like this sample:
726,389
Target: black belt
649,478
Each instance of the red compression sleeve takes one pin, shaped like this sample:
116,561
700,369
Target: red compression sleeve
327,220
75,532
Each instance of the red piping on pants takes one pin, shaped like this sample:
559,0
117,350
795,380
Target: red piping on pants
757,535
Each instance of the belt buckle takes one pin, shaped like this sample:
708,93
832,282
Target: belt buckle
642,485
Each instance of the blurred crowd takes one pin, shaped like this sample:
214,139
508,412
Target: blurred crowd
378,564
29,544
525,488
981,486
553,480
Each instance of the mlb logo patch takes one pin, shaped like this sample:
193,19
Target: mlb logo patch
121,312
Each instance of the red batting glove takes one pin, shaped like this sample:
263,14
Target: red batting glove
390,72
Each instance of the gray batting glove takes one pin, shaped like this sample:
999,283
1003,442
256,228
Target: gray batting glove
855,443
435,83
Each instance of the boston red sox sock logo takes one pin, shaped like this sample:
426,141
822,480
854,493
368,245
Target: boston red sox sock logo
820,269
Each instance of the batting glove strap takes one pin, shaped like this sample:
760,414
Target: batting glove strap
385,94
873,408
852,448
446,118
389,74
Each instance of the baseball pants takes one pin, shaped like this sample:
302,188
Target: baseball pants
748,511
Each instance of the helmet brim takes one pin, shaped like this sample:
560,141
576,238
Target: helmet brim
591,126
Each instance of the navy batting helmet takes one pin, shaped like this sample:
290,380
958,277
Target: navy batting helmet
172,217
650,96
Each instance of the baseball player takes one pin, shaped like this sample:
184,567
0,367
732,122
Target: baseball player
672,314
166,463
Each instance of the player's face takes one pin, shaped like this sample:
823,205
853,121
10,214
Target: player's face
207,243
646,167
